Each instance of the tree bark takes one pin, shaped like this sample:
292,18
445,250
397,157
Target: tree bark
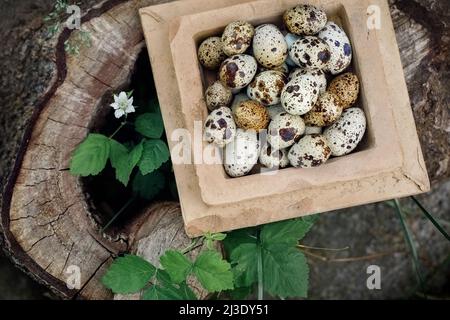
45,220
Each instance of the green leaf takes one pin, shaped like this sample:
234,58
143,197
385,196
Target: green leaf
176,265
118,151
285,271
238,237
154,155
148,186
150,125
240,293
187,292
156,292
124,162
284,268
128,274
154,105
210,238
166,290
288,232
90,157
245,271
213,272
216,236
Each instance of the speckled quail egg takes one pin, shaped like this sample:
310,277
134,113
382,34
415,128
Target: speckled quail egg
317,76
217,95
284,130
340,47
237,101
266,87
346,88
269,47
237,37
299,96
271,158
325,112
238,71
313,130
284,69
251,115
310,53
220,127
290,39
305,20
210,53
242,153
275,110
311,151
346,133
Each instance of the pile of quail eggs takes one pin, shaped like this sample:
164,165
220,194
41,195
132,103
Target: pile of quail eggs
291,84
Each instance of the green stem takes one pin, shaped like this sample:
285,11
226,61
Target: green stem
432,219
118,129
260,270
411,245
125,206
194,244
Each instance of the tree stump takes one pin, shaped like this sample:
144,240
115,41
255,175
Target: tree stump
46,223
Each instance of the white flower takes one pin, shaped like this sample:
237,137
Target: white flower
122,105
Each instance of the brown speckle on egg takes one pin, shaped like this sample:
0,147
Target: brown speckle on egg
266,88
251,115
311,151
219,127
284,130
304,20
346,133
269,36
237,37
325,112
346,88
210,53
217,95
238,71
310,53
272,158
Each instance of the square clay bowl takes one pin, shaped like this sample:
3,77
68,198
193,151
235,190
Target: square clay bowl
387,164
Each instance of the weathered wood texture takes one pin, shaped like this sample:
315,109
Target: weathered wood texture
45,220
153,233
423,34
47,224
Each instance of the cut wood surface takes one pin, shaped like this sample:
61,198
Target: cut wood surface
46,222
158,229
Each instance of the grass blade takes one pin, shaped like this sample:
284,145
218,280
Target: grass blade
432,219
411,245
125,206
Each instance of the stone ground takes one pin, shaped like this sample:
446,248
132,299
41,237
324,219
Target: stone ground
372,234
